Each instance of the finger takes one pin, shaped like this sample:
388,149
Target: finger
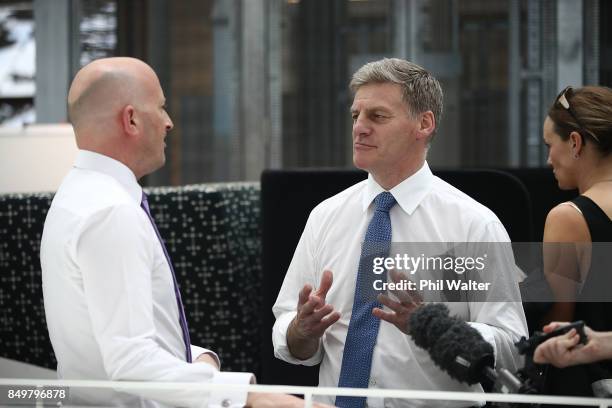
567,340
314,302
560,346
405,296
543,353
575,339
417,299
546,355
304,294
390,317
326,281
538,355
553,326
402,295
392,304
327,321
559,355
408,297
320,313
396,276
399,321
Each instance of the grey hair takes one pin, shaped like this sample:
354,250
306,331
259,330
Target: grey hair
420,90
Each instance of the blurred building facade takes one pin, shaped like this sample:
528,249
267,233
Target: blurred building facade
254,84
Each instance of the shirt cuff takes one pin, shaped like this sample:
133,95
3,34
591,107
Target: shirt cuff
230,399
197,351
281,349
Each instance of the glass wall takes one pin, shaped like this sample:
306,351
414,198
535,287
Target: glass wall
17,58
253,84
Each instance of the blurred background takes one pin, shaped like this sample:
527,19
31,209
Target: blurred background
254,84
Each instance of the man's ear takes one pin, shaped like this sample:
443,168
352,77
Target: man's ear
129,122
427,124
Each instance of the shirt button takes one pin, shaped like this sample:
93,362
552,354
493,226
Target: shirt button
226,403
372,382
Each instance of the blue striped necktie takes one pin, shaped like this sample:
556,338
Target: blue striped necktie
363,327
182,320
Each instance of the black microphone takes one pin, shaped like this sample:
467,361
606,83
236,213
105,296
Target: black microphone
457,348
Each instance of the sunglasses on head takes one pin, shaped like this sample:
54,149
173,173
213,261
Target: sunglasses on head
563,100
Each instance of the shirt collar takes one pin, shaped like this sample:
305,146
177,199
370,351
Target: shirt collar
408,194
88,160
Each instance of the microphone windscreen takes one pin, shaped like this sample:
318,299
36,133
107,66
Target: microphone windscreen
428,323
446,338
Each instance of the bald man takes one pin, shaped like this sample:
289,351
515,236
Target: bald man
112,303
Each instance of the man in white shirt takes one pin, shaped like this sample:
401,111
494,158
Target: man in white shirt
395,110
112,303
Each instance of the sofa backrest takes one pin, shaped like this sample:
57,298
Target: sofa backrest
212,234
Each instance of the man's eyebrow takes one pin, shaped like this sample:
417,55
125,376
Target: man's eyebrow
371,108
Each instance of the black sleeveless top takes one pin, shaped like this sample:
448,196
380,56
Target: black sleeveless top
577,380
600,225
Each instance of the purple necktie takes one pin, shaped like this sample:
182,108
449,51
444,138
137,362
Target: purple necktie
182,320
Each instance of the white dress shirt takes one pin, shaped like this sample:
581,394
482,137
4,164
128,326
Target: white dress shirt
109,295
428,210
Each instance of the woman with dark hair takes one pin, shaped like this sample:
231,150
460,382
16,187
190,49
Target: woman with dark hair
578,133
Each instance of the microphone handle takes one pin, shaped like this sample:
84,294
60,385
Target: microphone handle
509,381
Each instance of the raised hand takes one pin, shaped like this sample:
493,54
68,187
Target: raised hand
401,310
313,317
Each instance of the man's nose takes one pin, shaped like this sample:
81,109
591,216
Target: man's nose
361,126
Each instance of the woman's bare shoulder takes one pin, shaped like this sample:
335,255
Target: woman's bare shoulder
565,223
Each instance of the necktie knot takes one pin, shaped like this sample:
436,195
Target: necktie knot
384,201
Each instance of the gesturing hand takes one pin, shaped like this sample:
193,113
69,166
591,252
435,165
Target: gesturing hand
314,316
401,311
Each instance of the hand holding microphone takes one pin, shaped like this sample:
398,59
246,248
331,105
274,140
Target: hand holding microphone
577,344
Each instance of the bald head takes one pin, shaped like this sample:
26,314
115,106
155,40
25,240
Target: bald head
117,108
102,88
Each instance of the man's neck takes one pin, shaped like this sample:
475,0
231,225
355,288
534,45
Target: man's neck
390,179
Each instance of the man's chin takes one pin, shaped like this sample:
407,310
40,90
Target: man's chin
158,165
360,163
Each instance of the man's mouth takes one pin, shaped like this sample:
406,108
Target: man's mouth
359,145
